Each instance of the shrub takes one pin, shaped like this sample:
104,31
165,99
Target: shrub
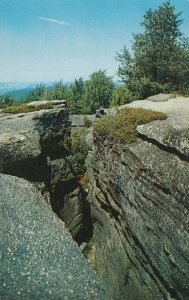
77,145
80,149
24,108
87,122
6,101
121,128
121,96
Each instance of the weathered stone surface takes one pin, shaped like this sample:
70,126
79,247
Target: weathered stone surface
39,259
68,198
140,208
30,148
31,136
160,97
55,103
172,133
78,120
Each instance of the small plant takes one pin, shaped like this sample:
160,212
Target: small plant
77,145
127,268
24,108
121,128
87,122
80,149
84,180
6,101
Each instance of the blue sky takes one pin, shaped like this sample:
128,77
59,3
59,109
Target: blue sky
48,40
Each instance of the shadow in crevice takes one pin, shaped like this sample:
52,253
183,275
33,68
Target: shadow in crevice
68,201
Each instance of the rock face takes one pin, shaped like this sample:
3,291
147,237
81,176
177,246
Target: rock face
29,148
140,208
39,259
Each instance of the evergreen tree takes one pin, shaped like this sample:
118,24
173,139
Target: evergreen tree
160,54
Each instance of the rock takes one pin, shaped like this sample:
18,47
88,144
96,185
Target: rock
100,112
31,135
79,120
30,148
39,259
68,199
140,207
172,133
160,97
55,103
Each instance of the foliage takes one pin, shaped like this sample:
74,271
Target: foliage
121,96
87,122
98,92
36,94
76,94
83,97
121,128
60,91
24,108
6,101
77,145
80,149
127,268
160,55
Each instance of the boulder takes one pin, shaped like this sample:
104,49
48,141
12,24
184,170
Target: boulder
39,259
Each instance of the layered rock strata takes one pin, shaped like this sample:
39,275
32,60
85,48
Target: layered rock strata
30,148
39,259
140,207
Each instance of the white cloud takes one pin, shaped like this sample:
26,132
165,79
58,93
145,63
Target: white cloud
60,22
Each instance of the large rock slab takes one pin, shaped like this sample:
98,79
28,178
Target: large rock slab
30,136
39,259
140,207
174,131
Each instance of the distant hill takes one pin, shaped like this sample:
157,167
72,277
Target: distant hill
19,90
18,94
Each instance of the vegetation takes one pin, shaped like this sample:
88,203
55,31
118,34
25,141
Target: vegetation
121,96
159,61
36,94
127,268
24,108
77,90
6,101
98,92
79,147
83,97
121,128
87,122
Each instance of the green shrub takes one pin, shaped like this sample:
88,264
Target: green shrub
80,149
87,122
121,96
6,101
144,87
24,108
121,128
77,145
127,268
